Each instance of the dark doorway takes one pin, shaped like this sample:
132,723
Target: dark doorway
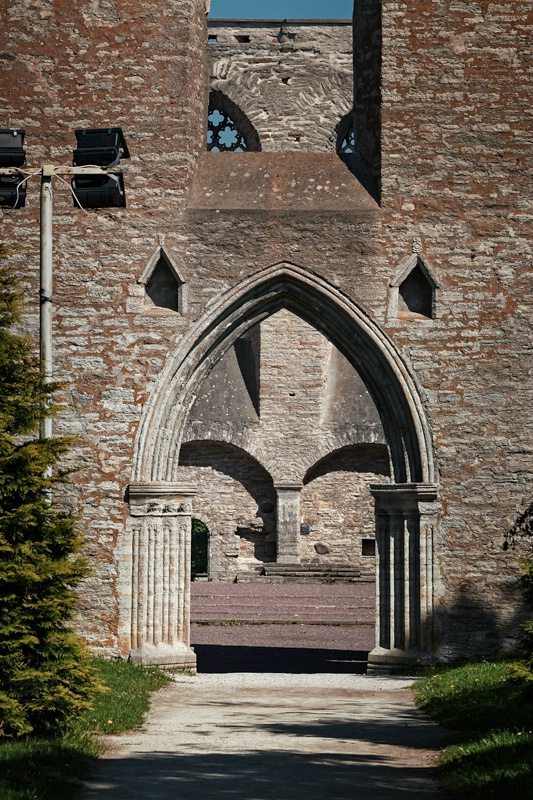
199,549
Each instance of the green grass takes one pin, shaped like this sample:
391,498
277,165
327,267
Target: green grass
52,769
490,714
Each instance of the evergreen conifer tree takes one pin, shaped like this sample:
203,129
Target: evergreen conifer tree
46,679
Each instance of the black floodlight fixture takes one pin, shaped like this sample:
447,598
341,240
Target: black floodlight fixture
99,191
12,193
12,156
99,147
12,153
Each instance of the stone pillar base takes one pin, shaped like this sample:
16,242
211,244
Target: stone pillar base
165,655
385,662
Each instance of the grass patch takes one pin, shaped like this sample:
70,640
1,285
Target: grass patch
490,713
53,769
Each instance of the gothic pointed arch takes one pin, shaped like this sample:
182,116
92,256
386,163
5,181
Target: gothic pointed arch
228,127
286,285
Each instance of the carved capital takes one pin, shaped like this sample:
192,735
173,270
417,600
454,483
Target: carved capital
160,499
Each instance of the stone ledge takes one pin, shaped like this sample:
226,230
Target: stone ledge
277,183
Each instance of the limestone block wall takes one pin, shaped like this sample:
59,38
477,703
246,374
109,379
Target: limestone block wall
236,501
95,64
337,507
455,172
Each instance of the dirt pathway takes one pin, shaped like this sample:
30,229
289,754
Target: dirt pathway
275,737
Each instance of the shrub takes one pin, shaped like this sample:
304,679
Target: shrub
45,677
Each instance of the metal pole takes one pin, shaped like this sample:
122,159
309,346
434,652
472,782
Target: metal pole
46,258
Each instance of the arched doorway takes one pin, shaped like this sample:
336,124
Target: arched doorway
199,549
406,509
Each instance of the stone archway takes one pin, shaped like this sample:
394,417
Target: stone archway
406,509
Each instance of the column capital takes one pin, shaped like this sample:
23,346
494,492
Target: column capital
422,492
160,499
287,486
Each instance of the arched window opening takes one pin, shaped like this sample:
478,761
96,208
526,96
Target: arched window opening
228,128
413,291
199,549
415,294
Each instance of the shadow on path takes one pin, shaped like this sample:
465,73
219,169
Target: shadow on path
280,775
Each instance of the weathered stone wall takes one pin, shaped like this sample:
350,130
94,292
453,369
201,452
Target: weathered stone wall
294,81
455,174
236,501
337,506
96,64
310,402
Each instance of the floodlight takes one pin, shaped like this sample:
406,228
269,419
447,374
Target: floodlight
99,147
12,153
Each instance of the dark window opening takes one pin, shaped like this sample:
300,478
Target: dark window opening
347,149
164,289
415,294
368,548
242,38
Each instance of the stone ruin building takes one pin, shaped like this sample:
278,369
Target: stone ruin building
310,328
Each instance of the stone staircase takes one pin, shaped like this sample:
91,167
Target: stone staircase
266,626
303,573
339,604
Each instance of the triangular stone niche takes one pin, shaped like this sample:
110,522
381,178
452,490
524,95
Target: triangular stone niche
413,291
164,288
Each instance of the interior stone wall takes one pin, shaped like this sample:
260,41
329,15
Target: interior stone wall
337,507
236,501
310,401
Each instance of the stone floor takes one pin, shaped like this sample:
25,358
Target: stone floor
280,708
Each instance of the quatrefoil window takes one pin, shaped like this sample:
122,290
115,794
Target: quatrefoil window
223,134
347,145
228,127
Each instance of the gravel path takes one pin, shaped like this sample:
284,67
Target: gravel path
277,711
243,736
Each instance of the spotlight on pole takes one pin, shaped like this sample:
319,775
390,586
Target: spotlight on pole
100,147
12,156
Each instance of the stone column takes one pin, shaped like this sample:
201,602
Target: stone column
288,522
405,521
161,573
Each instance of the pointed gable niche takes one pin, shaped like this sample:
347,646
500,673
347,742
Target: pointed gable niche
413,291
164,288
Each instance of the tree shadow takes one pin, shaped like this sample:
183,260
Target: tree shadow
259,775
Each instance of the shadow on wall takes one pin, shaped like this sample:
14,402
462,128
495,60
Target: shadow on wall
470,628
363,458
237,464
